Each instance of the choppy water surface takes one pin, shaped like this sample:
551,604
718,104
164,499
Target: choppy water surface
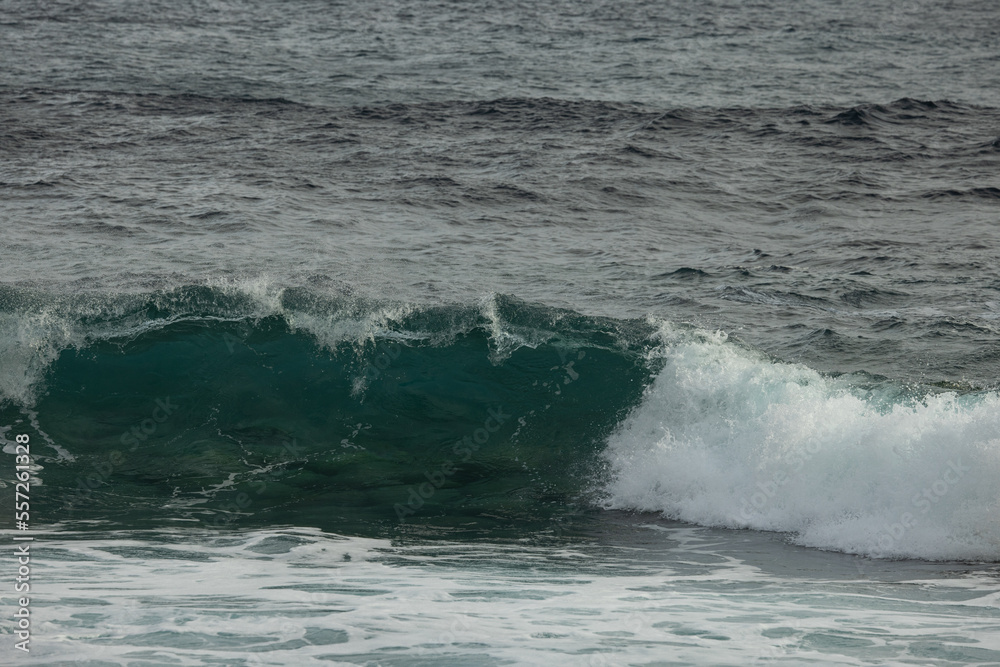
518,333
640,593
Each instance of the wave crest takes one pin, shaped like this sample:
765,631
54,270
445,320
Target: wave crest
726,437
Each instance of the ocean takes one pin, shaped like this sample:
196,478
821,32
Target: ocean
510,333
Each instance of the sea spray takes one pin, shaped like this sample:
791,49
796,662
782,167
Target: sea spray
728,437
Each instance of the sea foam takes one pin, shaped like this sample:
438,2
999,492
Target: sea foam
727,437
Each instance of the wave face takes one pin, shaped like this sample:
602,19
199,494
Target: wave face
727,437
221,407
247,405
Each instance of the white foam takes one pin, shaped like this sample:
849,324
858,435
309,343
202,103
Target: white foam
261,290
301,597
726,437
33,337
29,342
504,340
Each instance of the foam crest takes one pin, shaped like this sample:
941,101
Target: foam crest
727,437
28,344
35,328
359,328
